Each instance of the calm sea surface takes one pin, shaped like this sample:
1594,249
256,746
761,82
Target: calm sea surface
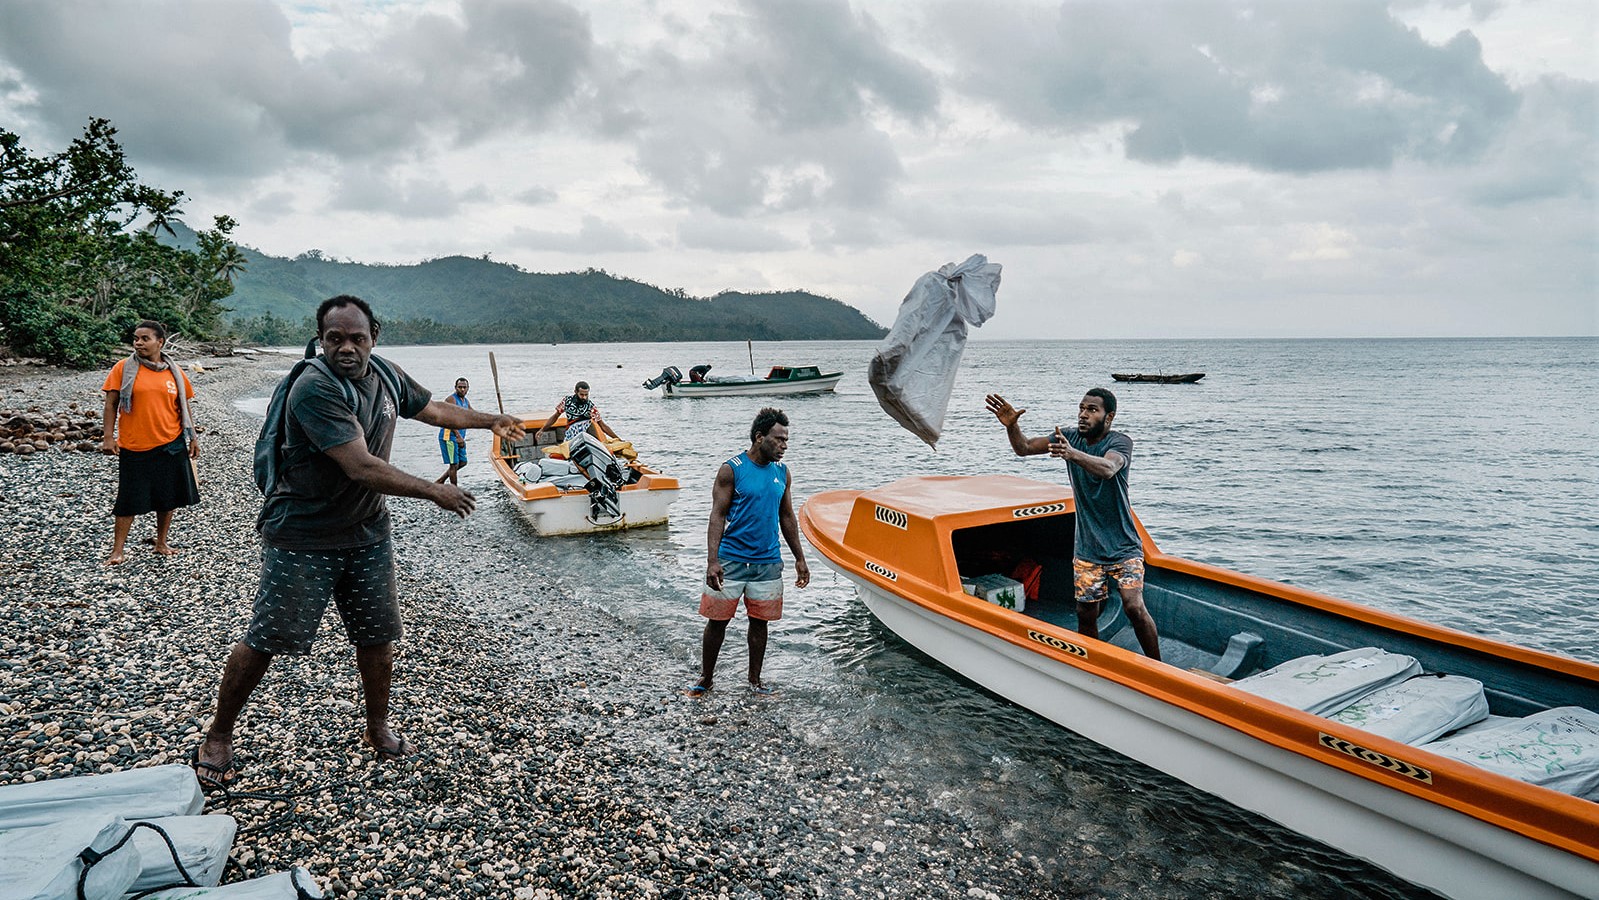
1455,481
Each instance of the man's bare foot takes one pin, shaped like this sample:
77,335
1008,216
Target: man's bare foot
165,550
213,763
116,558
388,745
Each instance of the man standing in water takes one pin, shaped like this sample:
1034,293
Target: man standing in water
1106,547
325,526
750,504
452,441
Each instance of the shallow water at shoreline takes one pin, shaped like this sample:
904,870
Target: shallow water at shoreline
1454,481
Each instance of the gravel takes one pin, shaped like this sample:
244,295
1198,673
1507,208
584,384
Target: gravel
558,758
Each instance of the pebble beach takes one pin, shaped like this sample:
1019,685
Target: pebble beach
558,756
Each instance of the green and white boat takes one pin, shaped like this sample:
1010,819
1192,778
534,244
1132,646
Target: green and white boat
779,381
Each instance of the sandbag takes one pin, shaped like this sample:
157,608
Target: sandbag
1557,748
295,884
913,371
146,793
202,843
1325,684
1418,710
42,862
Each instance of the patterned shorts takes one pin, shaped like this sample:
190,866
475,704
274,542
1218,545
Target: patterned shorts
1092,580
760,584
294,592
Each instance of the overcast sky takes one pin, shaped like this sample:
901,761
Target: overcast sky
1141,169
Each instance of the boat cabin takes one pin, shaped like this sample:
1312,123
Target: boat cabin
793,373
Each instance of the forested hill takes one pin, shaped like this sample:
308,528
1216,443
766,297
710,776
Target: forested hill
466,300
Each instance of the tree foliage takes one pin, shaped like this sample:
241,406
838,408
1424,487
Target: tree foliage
75,271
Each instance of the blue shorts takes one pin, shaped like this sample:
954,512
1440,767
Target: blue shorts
453,451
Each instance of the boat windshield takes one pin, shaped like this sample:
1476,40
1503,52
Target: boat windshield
779,373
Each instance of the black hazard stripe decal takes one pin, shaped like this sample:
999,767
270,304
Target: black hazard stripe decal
1057,643
1399,766
1044,510
874,567
893,517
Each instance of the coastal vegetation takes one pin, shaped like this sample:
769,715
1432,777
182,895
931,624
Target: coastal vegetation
80,258
460,299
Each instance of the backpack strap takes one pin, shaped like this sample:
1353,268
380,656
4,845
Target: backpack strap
386,374
350,396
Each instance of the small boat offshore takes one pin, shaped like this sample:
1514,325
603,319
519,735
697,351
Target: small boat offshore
583,487
781,380
1140,378
1462,764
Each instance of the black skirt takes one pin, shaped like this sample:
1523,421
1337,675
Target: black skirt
156,480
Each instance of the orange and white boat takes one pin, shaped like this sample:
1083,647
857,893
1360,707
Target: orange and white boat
562,504
1418,809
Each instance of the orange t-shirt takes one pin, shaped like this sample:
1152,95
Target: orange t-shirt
154,421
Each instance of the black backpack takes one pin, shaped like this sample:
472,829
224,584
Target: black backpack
269,443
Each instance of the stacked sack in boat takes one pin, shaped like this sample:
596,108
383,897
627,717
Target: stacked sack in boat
124,834
1388,695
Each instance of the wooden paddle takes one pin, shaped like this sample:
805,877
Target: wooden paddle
495,369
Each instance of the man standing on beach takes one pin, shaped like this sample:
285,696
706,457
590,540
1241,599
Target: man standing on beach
452,441
1106,547
325,526
750,504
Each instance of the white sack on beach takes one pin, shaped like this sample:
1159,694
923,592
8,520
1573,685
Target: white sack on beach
295,884
42,862
145,793
913,372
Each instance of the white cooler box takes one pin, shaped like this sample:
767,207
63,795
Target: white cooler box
1000,590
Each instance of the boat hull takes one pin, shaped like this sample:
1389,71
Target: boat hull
1423,842
568,513
821,385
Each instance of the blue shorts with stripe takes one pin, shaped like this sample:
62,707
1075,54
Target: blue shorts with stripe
453,451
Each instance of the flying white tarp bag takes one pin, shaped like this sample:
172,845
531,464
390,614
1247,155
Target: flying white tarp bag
132,794
202,843
1418,710
1325,684
1557,748
295,884
44,862
913,372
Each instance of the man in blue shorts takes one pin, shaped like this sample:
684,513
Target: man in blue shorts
452,441
750,506
325,527
1105,546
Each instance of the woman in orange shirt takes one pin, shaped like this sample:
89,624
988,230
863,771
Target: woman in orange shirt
147,408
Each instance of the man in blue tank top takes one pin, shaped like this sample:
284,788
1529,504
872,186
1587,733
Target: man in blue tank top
750,506
1106,548
452,441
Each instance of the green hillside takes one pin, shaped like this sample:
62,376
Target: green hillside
461,299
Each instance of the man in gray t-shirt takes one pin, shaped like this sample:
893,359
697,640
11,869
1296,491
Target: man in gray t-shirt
1106,546
325,527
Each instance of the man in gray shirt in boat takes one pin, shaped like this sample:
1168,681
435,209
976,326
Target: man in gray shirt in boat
1106,547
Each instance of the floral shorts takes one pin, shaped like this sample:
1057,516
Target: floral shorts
1092,580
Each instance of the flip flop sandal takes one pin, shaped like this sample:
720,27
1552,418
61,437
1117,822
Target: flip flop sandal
210,775
390,753
696,691
761,690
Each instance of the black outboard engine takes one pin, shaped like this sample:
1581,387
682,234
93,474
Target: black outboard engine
697,374
669,375
591,456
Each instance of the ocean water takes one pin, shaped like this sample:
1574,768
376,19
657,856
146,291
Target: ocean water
1455,481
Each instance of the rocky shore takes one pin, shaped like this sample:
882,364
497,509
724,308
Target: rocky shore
557,760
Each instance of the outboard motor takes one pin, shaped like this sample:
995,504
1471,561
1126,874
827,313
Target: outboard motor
605,475
669,375
697,374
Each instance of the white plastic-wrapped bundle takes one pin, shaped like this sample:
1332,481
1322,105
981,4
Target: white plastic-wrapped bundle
132,794
295,884
914,369
42,862
1419,709
202,843
1557,748
1324,684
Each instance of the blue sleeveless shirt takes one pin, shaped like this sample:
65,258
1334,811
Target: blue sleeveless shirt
752,534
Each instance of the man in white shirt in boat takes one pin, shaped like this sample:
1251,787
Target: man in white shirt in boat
1106,548
751,507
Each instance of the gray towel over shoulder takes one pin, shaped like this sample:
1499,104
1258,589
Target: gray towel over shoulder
913,372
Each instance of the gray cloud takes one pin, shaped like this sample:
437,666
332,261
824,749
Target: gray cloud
730,235
1278,86
595,235
364,189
